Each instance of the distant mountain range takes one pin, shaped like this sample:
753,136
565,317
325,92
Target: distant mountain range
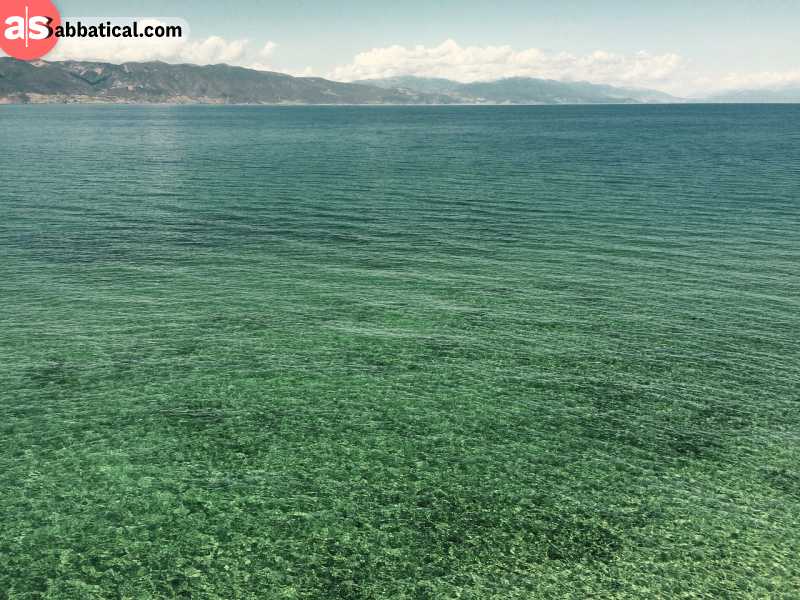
525,90
158,82
771,96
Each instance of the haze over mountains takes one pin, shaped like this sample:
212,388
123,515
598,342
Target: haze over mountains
783,95
158,82
524,90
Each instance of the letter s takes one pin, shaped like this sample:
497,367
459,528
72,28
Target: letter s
38,28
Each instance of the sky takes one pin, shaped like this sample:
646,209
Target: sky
685,47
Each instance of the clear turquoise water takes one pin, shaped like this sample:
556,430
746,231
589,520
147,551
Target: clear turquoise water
494,352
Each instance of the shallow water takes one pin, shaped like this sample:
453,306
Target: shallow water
378,351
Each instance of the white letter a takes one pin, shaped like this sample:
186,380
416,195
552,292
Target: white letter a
16,31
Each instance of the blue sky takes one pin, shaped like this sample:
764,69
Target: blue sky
682,46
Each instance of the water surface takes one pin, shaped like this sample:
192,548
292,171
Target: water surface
388,352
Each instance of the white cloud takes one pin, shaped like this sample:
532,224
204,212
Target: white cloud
482,63
306,72
267,50
260,61
667,71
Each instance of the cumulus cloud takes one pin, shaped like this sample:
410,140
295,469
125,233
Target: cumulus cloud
667,71
260,60
482,63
